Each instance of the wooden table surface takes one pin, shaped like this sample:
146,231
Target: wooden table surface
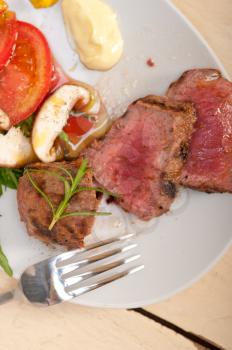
198,318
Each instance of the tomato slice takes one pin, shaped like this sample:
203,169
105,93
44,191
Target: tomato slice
26,80
77,126
8,35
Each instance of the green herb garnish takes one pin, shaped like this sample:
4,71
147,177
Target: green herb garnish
5,264
9,178
97,189
26,126
71,187
64,136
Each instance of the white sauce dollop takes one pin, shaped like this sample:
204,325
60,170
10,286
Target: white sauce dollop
94,27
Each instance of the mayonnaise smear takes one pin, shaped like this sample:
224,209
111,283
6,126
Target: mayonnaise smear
94,27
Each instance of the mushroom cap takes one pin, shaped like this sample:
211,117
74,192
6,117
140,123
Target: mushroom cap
15,149
52,118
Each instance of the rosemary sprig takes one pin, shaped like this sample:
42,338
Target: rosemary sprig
44,195
69,192
71,187
85,213
51,173
97,189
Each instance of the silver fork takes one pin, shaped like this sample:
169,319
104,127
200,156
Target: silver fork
74,273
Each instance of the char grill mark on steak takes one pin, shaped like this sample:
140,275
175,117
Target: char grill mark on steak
184,151
140,157
209,163
36,213
169,188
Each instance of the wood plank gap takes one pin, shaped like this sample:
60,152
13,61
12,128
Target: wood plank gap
191,336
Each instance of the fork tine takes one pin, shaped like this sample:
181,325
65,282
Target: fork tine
42,283
81,290
94,258
69,255
71,279
109,241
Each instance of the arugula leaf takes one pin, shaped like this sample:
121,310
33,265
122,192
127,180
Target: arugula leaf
26,126
9,178
5,264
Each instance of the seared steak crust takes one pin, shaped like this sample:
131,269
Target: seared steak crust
143,153
209,162
37,215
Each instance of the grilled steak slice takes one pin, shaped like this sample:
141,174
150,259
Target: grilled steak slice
36,213
143,153
209,164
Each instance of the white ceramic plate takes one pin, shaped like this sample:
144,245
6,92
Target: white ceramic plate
178,247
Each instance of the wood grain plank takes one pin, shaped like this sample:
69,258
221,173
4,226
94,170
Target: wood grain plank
67,326
206,308
213,19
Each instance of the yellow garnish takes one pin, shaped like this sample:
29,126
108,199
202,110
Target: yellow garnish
3,6
42,3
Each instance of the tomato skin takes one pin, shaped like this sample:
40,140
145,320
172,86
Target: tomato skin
26,80
77,126
8,35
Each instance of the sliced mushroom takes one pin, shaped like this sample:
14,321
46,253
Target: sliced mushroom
52,118
15,149
4,121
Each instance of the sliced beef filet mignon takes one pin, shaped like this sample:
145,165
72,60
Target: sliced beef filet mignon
209,164
143,153
36,213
